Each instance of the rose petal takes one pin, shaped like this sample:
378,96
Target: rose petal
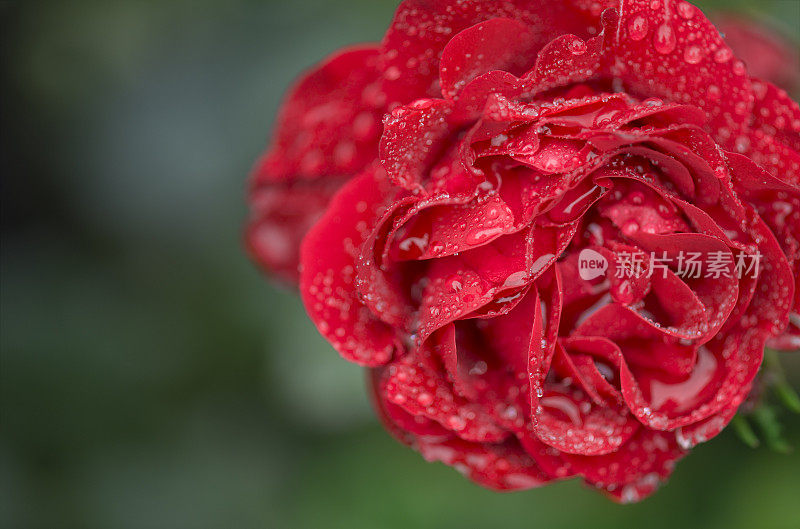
496,44
329,124
504,466
635,471
280,216
421,29
328,257
411,139
420,390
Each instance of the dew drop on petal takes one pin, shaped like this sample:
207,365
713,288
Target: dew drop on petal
636,197
723,55
425,399
742,144
665,40
392,73
455,282
456,423
637,28
685,10
741,108
693,55
364,126
630,227
577,47
482,235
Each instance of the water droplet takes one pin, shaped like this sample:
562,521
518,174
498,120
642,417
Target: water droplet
455,283
479,368
553,164
425,399
742,144
637,28
693,55
723,55
630,227
510,413
577,47
312,161
392,73
364,126
481,236
456,423
636,197
665,40
499,140
741,108
686,10
344,153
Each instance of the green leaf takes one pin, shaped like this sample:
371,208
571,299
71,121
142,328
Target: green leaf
773,371
767,421
744,431
788,396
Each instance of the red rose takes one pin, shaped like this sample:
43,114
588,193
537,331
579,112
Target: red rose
513,258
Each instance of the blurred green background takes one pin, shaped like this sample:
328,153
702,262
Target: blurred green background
150,377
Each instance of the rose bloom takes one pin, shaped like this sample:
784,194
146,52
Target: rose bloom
444,184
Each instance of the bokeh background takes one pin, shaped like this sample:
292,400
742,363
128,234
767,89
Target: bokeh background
150,377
